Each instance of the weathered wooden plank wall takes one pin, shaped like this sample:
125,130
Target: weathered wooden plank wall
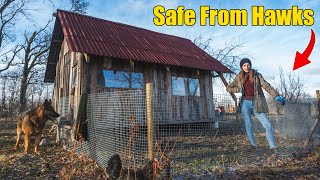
174,109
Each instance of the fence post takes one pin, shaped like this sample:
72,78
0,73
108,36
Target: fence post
150,124
315,123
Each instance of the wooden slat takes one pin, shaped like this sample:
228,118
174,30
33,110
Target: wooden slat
204,106
93,80
177,102
168,87
185,105
79,71
212,115
209,95
200,105
85,74
161,79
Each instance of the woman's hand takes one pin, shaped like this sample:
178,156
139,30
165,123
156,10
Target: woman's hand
281,99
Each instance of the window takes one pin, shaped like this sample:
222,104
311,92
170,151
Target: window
120,79
180,85
194,89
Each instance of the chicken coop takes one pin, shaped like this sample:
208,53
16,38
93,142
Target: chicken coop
126,90
109,65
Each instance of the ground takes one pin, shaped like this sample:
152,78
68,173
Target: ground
52,163
56,163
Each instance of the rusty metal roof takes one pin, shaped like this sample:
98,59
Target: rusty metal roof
101,37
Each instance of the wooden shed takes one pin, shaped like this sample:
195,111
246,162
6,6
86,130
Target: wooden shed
91,55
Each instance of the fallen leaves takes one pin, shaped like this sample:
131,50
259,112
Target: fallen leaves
224,157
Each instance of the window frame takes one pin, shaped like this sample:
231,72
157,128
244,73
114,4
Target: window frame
186,85
141,81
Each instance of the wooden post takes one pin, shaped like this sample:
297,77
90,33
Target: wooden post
150,124
315,123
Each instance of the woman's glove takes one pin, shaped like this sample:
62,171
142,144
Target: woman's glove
281,99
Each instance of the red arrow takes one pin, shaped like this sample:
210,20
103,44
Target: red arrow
302,59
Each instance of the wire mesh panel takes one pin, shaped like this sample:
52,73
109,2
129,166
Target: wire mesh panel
63,135
68,111
117,125
185,135
63,108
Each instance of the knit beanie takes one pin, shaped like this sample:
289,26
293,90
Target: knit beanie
245,60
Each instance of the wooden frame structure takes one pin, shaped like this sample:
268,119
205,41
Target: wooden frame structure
82,47
76,74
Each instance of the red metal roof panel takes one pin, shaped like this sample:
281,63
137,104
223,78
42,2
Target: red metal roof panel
96,36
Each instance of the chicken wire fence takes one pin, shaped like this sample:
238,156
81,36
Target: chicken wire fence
192,132
66,126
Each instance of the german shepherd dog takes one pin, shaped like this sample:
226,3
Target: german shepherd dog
32,122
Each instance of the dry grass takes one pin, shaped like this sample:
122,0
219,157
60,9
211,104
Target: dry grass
227,157
53,163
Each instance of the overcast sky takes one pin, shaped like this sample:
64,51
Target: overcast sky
268,46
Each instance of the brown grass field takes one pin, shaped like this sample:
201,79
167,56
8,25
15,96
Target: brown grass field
56,163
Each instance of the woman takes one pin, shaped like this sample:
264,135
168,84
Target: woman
250,83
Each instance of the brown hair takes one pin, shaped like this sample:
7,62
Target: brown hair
244,76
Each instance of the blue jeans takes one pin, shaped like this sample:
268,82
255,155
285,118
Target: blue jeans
247,106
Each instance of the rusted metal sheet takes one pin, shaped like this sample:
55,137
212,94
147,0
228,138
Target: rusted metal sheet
101,37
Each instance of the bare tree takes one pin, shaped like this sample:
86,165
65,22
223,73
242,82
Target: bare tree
228,55
79,6
10,10
11,89
39,91
289,85
35,86
4,86
34,53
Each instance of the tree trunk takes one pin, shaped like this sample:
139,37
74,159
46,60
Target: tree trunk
3,102
23,92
